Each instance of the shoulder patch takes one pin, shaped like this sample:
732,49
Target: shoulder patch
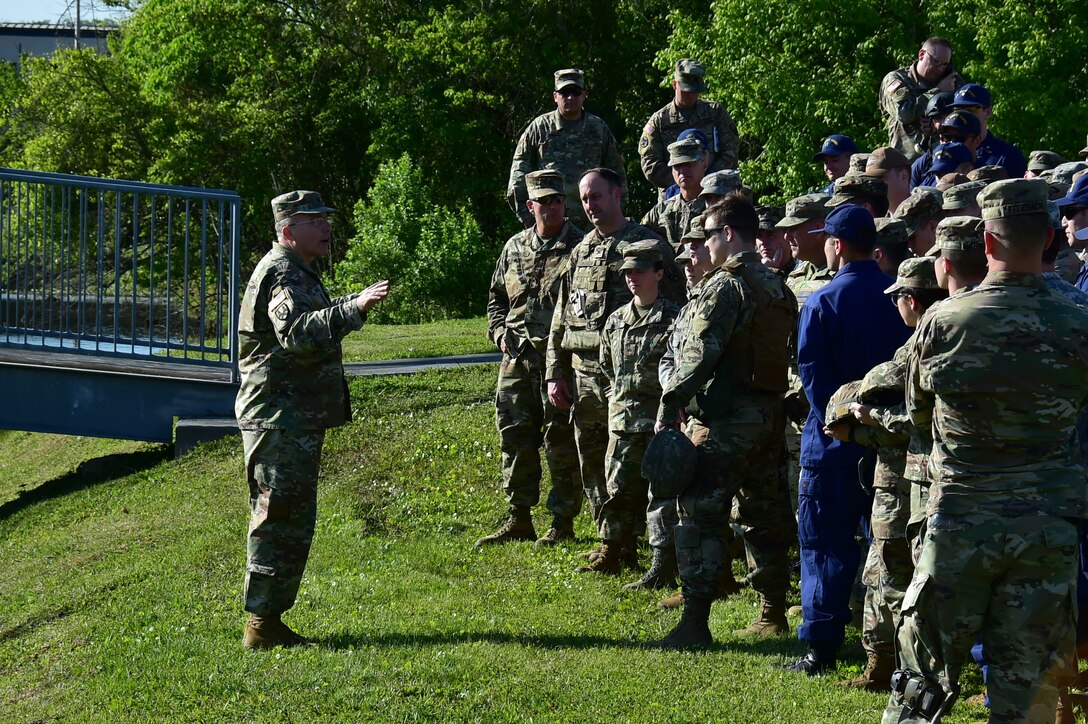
895,85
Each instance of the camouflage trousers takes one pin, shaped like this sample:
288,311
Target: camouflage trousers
793,463
916,525
282,468
623,513
888,569
1010,579
737,458
590,416
525,420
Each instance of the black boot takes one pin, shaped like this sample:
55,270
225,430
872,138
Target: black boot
818,660
693,631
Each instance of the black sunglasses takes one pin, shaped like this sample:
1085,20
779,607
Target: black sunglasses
570,92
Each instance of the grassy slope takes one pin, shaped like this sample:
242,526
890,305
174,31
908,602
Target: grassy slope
406,341
120,595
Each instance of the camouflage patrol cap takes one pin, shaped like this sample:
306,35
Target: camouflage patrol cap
962,196
885,159
958,233
884,380
769,216
696,231
1014,197
669,463
918,208
804,208
544,183
720,183
569,76
858,161
685,254
854,187
1039,161
914,273
949,180
690,75
891,231
838,407
1058,190
645,254
287,205
989,174
687,151
1063,172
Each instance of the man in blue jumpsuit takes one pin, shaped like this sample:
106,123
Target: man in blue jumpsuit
846,328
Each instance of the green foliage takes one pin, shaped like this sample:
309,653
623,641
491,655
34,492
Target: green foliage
406,341
435,257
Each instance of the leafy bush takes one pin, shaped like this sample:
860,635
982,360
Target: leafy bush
436,258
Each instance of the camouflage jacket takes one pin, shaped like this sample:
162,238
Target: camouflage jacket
805,278
569,147
525,287
289,334
591,290
668,123
717,321
672,217
1001,374
882,389
903,99
632,344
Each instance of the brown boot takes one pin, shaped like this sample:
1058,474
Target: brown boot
770,622
562,529
517,526
693,630
877,676
266,632
607,561
674,601
592,554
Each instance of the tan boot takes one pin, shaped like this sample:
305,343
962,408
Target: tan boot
517,526
607,562
592,554
266,632
877,676
562,529
674,601
770,622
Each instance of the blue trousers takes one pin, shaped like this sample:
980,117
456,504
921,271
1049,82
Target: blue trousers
830,506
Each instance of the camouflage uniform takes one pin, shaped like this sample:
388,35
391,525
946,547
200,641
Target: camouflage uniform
672,217
737,430
591,290
524,290
903,99
569,147
292,389
1001,374
633,342
669,122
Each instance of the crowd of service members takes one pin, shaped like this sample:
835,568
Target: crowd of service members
901,353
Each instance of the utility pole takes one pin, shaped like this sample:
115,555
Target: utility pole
77,24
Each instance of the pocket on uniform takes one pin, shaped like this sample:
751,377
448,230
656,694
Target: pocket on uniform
917,594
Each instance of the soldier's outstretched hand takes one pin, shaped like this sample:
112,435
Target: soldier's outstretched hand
372,295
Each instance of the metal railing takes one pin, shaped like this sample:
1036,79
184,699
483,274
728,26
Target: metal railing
119,268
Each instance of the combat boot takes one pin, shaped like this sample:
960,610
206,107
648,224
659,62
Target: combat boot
818,660
592,554
693,630
629,555
770,622
674,601
877,676
607,561
517,526
266,632
662,573
562,529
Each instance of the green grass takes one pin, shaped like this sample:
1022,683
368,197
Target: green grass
120,593
405,341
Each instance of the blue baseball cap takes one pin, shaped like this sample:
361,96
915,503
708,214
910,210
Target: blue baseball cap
851,223
1077,195
697,135
947,157
961,121
836,145
972,95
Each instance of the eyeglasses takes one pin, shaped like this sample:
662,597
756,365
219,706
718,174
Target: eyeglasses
549,200
952,137
937,61
1070,211
713,230
315,220
570,92
896,296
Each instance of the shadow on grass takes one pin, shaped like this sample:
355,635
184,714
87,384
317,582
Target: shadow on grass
424,640
89,473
